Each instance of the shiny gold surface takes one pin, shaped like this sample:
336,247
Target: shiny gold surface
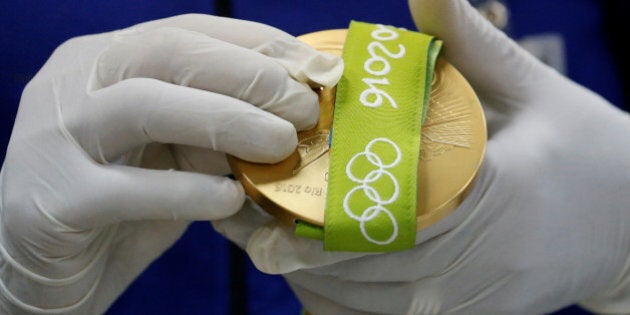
453,144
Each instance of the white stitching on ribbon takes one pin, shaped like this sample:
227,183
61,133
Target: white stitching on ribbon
370,192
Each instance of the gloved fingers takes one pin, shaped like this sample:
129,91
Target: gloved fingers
138,111
142,194
493,63
200,160
184,157
239,227
274,249
435,256
303,63
271,244
192,59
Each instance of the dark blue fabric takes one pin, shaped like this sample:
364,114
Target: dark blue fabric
190,278
589,60
193,276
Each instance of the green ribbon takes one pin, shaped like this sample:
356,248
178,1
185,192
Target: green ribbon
380,105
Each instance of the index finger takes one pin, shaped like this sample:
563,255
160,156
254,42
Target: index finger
303,63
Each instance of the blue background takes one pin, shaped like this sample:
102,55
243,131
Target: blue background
203,273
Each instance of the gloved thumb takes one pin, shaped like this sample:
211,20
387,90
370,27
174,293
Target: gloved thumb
492,62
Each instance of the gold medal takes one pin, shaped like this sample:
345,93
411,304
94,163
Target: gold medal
452,149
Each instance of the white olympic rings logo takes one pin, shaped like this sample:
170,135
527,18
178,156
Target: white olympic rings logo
370,192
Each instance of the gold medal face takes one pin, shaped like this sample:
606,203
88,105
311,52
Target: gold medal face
452,149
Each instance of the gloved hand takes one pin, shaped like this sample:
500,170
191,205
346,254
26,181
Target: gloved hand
95,184
546,225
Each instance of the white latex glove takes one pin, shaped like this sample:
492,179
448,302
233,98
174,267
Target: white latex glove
547,224
79,219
